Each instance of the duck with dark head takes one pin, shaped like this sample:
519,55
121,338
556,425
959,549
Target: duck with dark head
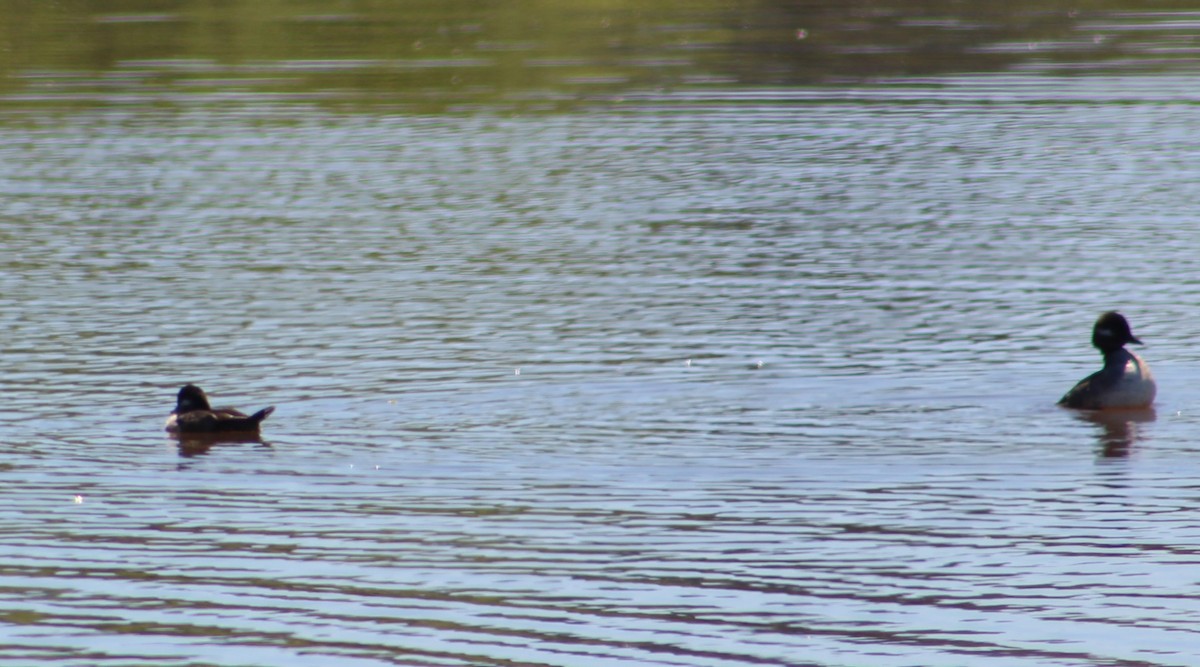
1125,382
193,414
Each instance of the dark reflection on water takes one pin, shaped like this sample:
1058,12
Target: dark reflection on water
434,56
195,444
1119,430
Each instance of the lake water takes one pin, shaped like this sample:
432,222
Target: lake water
685,375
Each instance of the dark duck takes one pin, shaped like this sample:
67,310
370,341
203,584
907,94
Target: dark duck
1125,381
193,414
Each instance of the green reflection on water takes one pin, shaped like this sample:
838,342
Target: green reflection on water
547,52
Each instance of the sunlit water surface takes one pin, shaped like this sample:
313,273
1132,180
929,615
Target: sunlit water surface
689,380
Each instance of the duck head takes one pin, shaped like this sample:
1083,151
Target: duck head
191,398
1110,334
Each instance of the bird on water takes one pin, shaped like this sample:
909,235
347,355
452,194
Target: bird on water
193,414
1125,380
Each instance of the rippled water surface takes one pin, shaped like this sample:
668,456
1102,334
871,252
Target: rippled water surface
707,376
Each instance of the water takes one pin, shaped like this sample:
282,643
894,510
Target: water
710,375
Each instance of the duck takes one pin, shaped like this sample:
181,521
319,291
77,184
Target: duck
1125,382
193,414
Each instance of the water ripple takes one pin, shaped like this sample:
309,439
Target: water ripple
761,383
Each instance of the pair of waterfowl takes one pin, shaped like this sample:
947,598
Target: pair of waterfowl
1124,382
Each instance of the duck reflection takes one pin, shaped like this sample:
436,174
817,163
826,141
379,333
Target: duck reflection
1118,429
198,444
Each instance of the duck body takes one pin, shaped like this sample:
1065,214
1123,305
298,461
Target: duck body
1125,382
193,414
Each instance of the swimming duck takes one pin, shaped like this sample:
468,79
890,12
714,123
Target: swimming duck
1124,382
192,414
